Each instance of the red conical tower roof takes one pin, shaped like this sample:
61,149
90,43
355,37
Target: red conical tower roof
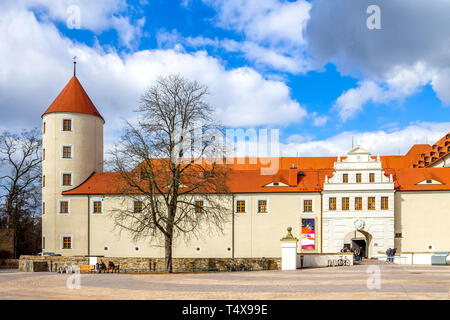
74,99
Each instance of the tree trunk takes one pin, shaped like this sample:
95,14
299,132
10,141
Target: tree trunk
168,251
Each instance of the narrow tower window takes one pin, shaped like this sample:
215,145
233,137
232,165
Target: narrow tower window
67,152
67,179
67,125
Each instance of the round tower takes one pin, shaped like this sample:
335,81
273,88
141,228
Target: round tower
72,142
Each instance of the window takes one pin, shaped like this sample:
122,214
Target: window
332,204
358,178
262,206
43,242
64,207
43,154
429,181
97,207
67,152
43,181
67,243
67,125
43,207
198,206
307,205
384,203
345,203
137,207
43,129
67,179
371,177
398,234
371,203
240,206
345,178
358,203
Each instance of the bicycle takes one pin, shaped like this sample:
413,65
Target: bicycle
343,261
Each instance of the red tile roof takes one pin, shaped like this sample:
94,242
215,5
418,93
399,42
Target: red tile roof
407,179
73,99
247,178
433,153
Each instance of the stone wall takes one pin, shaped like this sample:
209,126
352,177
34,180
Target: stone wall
54,264
9,263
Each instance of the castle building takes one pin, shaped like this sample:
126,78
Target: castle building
358,200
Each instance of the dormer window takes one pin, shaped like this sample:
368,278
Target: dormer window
276,183
429,181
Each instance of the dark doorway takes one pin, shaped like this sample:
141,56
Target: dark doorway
361,244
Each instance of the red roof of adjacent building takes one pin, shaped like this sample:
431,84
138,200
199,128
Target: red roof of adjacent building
433,153
73,99
246,177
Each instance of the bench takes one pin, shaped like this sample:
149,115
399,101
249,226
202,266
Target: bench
87,268
115,269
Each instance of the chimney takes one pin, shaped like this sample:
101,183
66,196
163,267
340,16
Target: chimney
293,176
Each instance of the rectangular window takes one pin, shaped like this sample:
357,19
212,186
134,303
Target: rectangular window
67,125
97,207
67,243
67,152
358,178
43,242
137,207
67,179
345,178
43,207
307,205
262,206
345,203
44,127
371,177
332,204
358,203
198,206
371,203
240,206
398,234
64,207
43,154
43,181
384,203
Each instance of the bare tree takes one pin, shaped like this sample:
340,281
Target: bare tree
169,166
20,183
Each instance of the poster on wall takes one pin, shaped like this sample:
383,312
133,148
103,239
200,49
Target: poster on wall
308,234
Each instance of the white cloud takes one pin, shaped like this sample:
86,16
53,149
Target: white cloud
273,30
96,16
39,65
392,142
411,49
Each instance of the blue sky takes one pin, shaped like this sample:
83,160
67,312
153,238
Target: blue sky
310,68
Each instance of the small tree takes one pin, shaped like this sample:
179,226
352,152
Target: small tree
20,187
164,168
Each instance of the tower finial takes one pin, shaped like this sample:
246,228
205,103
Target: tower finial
75,66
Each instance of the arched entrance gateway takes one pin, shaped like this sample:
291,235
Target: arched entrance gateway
359,239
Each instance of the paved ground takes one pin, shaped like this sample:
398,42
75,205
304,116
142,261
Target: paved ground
355,282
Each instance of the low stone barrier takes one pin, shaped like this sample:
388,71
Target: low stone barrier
306,260
58,263
9,263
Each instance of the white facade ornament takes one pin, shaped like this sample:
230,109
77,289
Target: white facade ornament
390,178
359,224
378,157
326,178
339,159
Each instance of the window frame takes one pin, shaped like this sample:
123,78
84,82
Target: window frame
134,206
43,242
43,208
68,207
348,204
94,201
360,207
199,209
62,241
62,151
329,204
62,179
371,177
304,206
382,203
369,207
257,206
71,124
345,178
235,209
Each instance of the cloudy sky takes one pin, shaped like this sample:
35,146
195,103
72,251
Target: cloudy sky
309,68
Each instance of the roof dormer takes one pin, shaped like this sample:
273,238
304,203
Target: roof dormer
429,181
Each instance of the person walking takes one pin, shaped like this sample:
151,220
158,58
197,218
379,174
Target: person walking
388,254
